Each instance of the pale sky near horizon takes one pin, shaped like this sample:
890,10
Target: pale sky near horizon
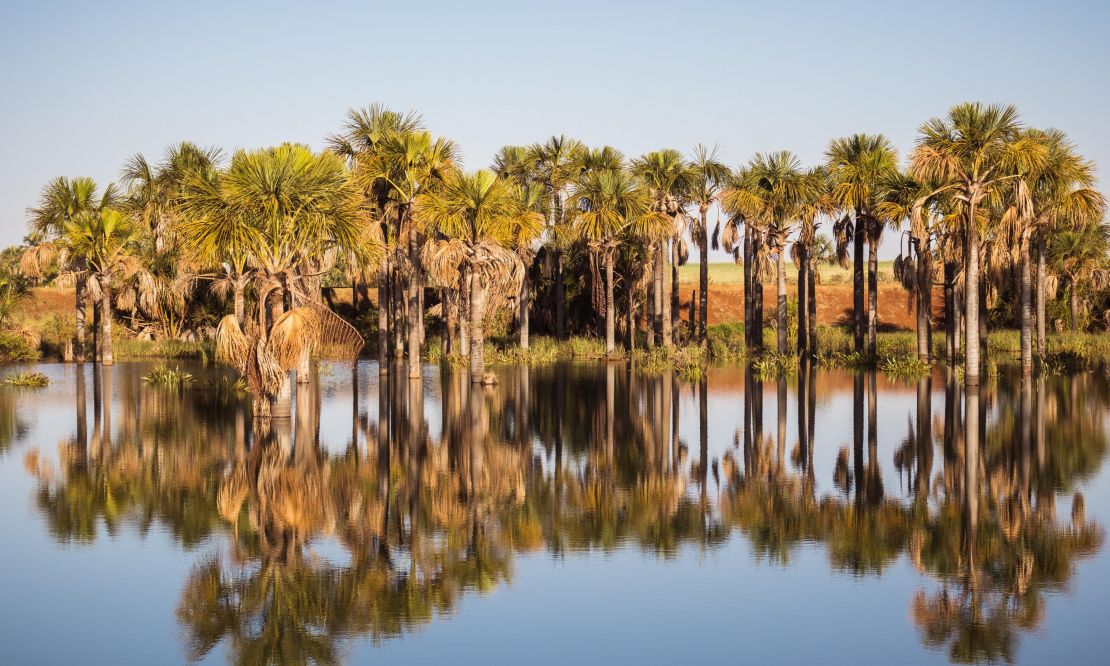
88,84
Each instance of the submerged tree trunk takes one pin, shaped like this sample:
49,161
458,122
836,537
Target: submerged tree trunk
665,314
780,315
477,328
79,313
610,307
747,288
1026,310
106,321
522,312
803,306
950,331
676,305
811,295
1041,295
872,297
383,323
703,276
857,283
971,303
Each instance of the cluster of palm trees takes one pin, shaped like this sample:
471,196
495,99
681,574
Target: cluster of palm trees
990,208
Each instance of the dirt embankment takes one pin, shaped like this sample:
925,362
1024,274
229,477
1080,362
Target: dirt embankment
834,304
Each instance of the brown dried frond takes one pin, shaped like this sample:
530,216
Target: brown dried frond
293,333
232,345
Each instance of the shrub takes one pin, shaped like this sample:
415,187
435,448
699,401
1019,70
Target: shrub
28,380
167,377
15,348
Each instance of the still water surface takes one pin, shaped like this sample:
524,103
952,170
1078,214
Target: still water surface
571,513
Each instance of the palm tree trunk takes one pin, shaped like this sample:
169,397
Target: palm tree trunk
950,332
675,306
106,321
971,302
747,288
1041,294
560,305
383,323
397,308
477,330
924,300
665,312
631,304
780,271
703,276
610,307
413,318
79,313
525,302
857,283
464,311
757,312
650,307
1074,304
811,296
238,286
872,296
1026,310
803,306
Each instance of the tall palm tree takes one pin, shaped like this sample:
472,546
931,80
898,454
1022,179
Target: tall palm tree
284,208
153,191
105,241
516,164
1082,256
556,162
815,204
613,207
480,216
61,201
408,164
858,166
668,177
1060,192
708,176
972,153
774,190
363,131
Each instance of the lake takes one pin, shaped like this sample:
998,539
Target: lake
571,513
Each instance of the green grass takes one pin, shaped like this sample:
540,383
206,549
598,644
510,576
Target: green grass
727,273
27,380
131,349
167,377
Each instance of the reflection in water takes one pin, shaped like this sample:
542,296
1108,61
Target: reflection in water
386,534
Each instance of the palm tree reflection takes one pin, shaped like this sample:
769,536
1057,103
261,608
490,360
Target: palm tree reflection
383,537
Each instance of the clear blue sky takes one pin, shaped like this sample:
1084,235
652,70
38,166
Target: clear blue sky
86,84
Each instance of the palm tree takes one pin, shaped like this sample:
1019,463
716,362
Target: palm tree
816,203
480,216
105,242
773,191
708,176
363,131
154,191
1060,192
556,163
858,166
516,164
283,208
667,176
613,207
972,153
62,200
1081,255
407,164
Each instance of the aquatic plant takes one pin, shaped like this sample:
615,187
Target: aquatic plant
27,379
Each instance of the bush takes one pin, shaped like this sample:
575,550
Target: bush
28,380
16,348
167,377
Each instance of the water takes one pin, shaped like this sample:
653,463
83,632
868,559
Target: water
572,513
